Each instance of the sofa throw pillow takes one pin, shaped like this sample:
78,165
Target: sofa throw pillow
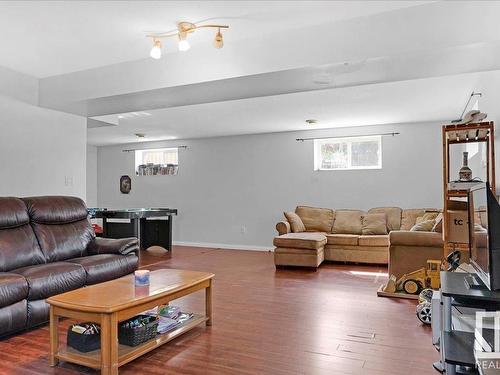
427,216
409,217
423,226
296,224
374,224
347,222
438,224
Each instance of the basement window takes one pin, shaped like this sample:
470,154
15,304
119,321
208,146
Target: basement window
160,161
333,154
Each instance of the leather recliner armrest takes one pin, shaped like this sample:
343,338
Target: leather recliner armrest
409,238
283,227
122,246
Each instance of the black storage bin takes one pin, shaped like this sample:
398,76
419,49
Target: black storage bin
137,335
83,342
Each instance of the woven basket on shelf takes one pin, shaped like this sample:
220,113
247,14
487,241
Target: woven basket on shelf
138,335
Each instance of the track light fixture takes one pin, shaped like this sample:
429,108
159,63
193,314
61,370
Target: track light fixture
183,29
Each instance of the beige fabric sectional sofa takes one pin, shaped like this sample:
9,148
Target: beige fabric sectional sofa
337,235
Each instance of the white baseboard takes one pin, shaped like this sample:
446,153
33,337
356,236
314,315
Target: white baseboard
223,246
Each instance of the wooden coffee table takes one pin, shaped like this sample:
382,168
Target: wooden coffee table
117,300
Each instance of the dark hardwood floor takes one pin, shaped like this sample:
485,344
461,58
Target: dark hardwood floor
269,322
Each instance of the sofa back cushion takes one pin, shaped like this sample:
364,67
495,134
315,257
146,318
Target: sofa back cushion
316,219
347,222
60,225
409,217
18,244
372,223
393,216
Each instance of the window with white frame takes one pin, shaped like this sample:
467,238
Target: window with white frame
348,153
160,161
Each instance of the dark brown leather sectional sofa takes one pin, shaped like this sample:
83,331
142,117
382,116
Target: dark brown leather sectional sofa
47,247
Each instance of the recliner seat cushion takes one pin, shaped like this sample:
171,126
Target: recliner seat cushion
13,288
13,318
38,313
46,280
104,267
306,240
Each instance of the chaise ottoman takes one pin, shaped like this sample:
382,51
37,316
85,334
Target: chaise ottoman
299,249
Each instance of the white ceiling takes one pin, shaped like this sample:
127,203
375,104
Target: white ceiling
344,107
47,38
345,63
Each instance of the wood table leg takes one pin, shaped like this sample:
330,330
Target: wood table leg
54,337
208,303
113,329
105,344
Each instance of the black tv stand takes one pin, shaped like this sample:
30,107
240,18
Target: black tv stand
457,348
473,282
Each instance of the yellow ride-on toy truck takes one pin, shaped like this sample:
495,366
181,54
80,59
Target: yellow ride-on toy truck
414,282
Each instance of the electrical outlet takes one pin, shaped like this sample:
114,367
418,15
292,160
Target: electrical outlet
243,229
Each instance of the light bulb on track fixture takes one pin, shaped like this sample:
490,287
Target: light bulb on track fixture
183,43
156,50
219,40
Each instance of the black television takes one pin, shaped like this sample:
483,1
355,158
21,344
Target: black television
484,213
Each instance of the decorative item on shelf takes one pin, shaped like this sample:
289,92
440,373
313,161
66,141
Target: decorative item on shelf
125,184
183,29
141,277
465,174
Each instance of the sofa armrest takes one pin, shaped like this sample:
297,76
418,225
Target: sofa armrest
123,246
409,251
283,227
409,238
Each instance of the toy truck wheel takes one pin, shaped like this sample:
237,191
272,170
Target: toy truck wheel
424,312
412,286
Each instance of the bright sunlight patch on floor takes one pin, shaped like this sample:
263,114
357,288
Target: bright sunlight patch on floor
367,273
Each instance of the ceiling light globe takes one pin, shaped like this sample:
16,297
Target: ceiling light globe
156,50
184,45
218,41
155,53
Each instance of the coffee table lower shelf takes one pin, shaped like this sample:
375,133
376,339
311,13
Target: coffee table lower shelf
129,353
